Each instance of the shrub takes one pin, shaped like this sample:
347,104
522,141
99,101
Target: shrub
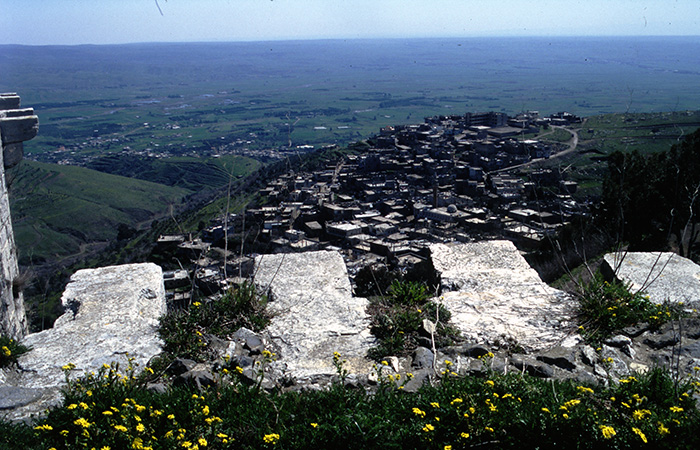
397,320
606,308
186,333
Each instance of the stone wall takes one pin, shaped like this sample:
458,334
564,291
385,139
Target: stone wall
16,125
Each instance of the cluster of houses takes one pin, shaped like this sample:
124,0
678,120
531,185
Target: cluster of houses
439,181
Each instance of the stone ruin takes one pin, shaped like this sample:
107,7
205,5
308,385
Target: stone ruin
497,302
664,276
111,315
16,126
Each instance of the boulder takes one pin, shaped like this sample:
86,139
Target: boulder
661,275
495,296
313,313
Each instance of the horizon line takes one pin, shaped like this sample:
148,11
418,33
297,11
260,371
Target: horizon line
319,39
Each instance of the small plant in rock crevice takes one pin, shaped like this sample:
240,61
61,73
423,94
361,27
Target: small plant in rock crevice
187,333
606,308
397,320
10,350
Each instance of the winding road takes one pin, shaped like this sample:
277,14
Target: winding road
571,146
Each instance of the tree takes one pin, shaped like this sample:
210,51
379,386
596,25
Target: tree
651,201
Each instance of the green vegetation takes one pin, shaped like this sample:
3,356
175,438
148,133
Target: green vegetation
57,209
189,173
187,333
651,200
112,409
10,350
600,136
606,308
398,320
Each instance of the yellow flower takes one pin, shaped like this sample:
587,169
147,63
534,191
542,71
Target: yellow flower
72,406
608,432
546,410
384,363
121,428
572,403
639,433
428,428
435,404
171,416
83,405
82,422
44,427
64,432
489,429
455,401
465,435
584,390
418,412
663,430
314,424
640,414
490,383
676,409
107,413
6,351
271,438
448,447
205,410
202,442
140,428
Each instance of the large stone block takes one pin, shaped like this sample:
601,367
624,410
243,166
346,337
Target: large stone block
496,297
314,312
661,275
110,312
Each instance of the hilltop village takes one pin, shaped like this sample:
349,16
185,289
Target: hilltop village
451,178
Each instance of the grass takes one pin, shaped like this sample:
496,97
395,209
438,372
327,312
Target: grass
606,308
186,333
112,409
56,209
397,320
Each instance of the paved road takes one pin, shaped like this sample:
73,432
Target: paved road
571,146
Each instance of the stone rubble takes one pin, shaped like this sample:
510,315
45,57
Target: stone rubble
316,315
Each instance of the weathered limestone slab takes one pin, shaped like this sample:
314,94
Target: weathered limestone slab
109,311
314,313
662,275
496,297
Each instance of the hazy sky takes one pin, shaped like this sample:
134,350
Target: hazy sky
121,21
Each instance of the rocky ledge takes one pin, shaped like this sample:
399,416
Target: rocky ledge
510,321
111,314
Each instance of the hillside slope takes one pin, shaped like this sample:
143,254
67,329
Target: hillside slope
56,209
